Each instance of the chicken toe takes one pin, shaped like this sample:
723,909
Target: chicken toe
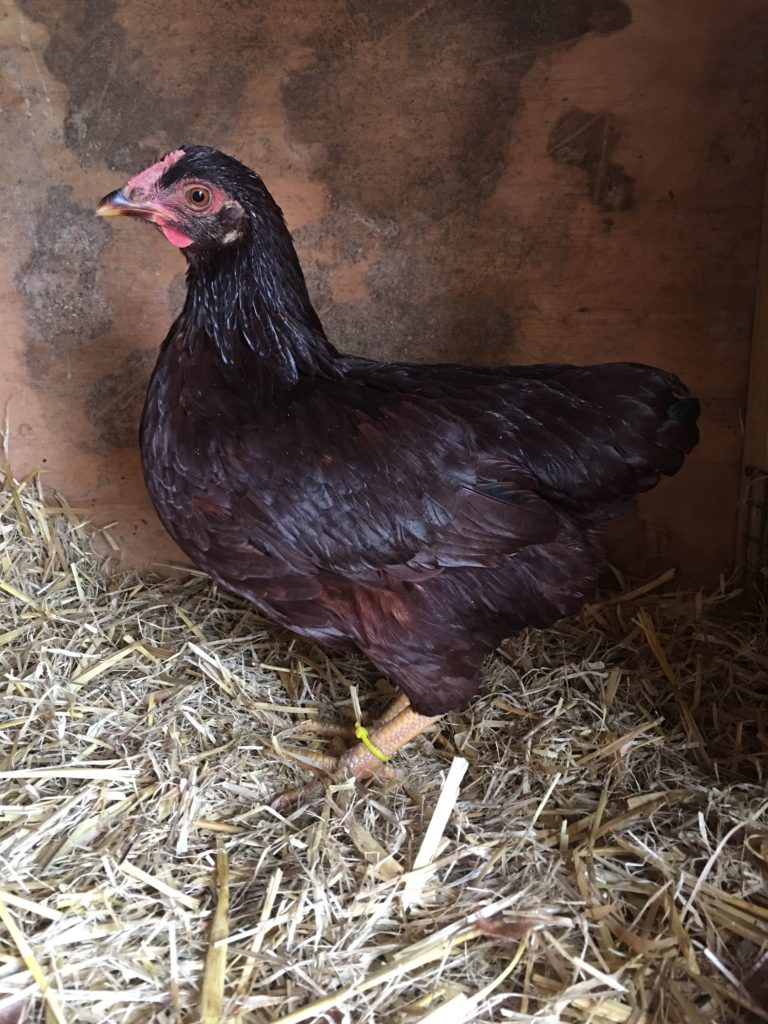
399,724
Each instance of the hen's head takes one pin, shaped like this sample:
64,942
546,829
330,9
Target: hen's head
202,200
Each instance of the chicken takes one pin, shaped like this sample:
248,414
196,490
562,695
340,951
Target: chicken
417,513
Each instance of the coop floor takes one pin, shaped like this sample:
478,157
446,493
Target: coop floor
602,858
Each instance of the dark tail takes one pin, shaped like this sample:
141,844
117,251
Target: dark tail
678,433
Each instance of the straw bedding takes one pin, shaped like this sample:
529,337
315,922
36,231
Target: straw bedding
588,842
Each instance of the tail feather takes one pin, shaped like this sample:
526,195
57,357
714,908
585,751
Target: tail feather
676,437
629,425
680,430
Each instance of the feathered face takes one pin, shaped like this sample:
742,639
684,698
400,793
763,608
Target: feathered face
198,197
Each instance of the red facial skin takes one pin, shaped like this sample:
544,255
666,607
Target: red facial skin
171,204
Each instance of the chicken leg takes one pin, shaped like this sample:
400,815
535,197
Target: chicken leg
399,724
325,728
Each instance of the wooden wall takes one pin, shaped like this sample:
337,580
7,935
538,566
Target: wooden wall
508,180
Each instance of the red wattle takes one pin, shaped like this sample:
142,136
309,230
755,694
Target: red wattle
177,238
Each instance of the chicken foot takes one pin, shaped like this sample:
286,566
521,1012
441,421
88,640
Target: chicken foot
399,724
342,730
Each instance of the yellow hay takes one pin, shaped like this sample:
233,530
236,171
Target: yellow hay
603,859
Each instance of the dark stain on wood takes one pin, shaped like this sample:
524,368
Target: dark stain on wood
177,77
418,223
115,401
587,141
63,311
457,114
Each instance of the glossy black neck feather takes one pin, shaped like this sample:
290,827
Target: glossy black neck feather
249,301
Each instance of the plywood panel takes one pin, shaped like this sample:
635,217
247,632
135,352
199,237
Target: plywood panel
752,533
495,181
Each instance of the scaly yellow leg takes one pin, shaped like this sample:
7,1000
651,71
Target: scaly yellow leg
389,734
334,730
399,724
400,703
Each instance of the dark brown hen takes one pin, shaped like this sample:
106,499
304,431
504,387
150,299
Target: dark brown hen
417,513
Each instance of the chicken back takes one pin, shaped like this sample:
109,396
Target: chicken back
418,513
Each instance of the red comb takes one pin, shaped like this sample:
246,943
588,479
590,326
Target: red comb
148,178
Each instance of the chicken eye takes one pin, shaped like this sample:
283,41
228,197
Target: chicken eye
198,197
